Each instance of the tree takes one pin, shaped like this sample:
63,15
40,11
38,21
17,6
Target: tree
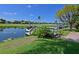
16,22
39,17
2,21
23,21
68,14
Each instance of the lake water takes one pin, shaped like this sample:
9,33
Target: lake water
6,33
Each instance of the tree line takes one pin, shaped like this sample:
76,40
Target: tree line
3,21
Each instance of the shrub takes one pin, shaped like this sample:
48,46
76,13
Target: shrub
42,32
64,32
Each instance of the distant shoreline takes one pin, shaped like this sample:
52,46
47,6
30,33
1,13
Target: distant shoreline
21,25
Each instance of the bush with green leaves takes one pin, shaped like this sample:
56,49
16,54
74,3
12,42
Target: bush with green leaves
42,32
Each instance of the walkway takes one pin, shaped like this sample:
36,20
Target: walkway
74,36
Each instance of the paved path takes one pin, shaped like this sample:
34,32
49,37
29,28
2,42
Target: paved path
73,36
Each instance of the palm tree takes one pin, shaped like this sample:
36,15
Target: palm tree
39,17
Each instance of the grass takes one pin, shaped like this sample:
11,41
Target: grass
39,46
53,47
12,25
13,46
64,32
73,30
21,25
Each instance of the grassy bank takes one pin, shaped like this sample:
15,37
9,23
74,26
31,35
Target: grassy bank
21,25
16,45
34,45
53,47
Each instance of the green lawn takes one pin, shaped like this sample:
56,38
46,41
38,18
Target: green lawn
34,45
53,47
21,25
14,46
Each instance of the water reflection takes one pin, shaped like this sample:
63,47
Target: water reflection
6,33
1,29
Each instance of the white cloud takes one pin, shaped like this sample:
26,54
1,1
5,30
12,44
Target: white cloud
31,15
29,6
9,13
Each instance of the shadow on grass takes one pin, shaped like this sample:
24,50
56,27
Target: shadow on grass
54,47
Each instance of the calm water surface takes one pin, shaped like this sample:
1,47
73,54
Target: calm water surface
11,33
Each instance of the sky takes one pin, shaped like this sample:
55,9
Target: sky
30,12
